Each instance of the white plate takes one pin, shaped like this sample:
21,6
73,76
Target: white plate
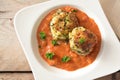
26,22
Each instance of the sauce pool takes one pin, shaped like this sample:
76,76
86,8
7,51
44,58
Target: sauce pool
77,61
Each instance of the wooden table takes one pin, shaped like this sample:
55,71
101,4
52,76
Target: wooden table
13,64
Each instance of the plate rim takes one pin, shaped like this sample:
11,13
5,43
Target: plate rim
34,70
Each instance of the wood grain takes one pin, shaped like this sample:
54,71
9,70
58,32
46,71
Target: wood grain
109,77
11,54
12,57
16,76
8,8
112,11
117,75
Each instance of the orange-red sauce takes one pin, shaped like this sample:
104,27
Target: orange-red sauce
77,61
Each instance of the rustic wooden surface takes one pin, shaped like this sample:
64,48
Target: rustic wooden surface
112,11
16,76
13,64
11,53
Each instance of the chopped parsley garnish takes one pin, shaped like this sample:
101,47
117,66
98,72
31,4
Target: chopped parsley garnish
66,59
42,35
79,51
74,10
67,20
54,42
65,35
82,40
50,55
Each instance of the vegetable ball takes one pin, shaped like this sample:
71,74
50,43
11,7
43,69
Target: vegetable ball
62,23
82,40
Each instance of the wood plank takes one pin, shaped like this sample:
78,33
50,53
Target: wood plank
12,57
16,76
118,76
8,8
108,77
29,76
112,11
11,54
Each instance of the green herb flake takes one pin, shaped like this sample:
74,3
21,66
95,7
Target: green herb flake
74,10
79,51
82,40
54,42
66,59
42,35
67,20
66,36
50,55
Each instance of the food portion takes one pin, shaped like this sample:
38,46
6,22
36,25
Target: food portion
82,40
62,23
68,39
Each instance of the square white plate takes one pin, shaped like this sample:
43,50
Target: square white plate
26,22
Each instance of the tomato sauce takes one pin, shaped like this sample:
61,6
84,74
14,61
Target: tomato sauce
77,61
